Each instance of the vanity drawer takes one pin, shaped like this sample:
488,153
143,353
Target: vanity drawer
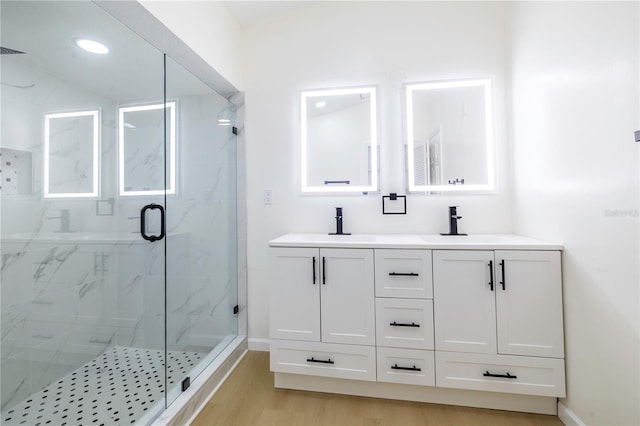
404,323
324,359
403,273
501,373
407,366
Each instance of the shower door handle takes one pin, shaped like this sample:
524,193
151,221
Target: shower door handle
143,216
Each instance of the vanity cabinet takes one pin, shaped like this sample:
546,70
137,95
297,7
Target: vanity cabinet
491,306
404,316
322,312
418,314
322,295
498,302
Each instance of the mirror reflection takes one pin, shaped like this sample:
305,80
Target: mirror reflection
338,140
450,136
142,149
71,154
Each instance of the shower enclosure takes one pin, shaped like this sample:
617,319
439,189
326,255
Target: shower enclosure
118,208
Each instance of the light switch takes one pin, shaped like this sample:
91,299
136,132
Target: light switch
268,196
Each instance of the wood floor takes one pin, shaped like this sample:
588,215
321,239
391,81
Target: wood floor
249,398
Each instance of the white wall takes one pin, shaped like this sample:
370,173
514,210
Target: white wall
208,29
575,107
338,44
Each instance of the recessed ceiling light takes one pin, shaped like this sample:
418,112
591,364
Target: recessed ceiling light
321,104
92,46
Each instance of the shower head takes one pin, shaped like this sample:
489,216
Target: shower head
7,51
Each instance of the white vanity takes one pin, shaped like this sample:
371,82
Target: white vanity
464,320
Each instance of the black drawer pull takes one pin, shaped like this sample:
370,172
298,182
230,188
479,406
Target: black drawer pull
399,324
313,266
403,274
503,376
322,361
414,368
491,274
324,271
503,283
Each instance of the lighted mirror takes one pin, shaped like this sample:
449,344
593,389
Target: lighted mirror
71,153
450,136
339,140
142,149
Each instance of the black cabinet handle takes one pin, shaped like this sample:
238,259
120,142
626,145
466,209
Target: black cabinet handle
143,220
324,272
321,361
503,283
502,376
403,274
414,368
491,274
399,324
314,269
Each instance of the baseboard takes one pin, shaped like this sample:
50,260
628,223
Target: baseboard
258,344
402,392
568,417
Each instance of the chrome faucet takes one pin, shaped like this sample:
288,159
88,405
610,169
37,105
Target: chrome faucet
453,221
339,223
65,220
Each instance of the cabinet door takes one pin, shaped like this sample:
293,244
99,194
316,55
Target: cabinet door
295,294
529,303
464,302
348,313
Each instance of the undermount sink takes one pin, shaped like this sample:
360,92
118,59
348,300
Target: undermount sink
339,238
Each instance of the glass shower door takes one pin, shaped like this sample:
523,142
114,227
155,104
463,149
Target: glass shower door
201,229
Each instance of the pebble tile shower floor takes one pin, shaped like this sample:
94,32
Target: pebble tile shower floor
117,388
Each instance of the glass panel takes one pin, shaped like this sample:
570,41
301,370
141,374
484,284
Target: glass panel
201,228
82,293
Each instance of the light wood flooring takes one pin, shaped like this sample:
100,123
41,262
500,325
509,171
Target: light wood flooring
249,398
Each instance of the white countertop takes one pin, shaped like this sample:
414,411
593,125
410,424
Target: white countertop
415,241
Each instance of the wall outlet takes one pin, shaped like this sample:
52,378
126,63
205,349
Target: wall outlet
268,196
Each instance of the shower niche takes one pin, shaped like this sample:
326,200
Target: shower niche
16,172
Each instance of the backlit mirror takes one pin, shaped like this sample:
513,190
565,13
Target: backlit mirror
339,140
142,149
450,144
71,153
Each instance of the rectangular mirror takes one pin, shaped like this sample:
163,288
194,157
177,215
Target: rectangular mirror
450,144
71,153
141,162
339,140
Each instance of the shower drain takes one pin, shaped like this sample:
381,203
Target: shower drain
117,388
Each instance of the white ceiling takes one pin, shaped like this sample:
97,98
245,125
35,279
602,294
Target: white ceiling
46,30
248,13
